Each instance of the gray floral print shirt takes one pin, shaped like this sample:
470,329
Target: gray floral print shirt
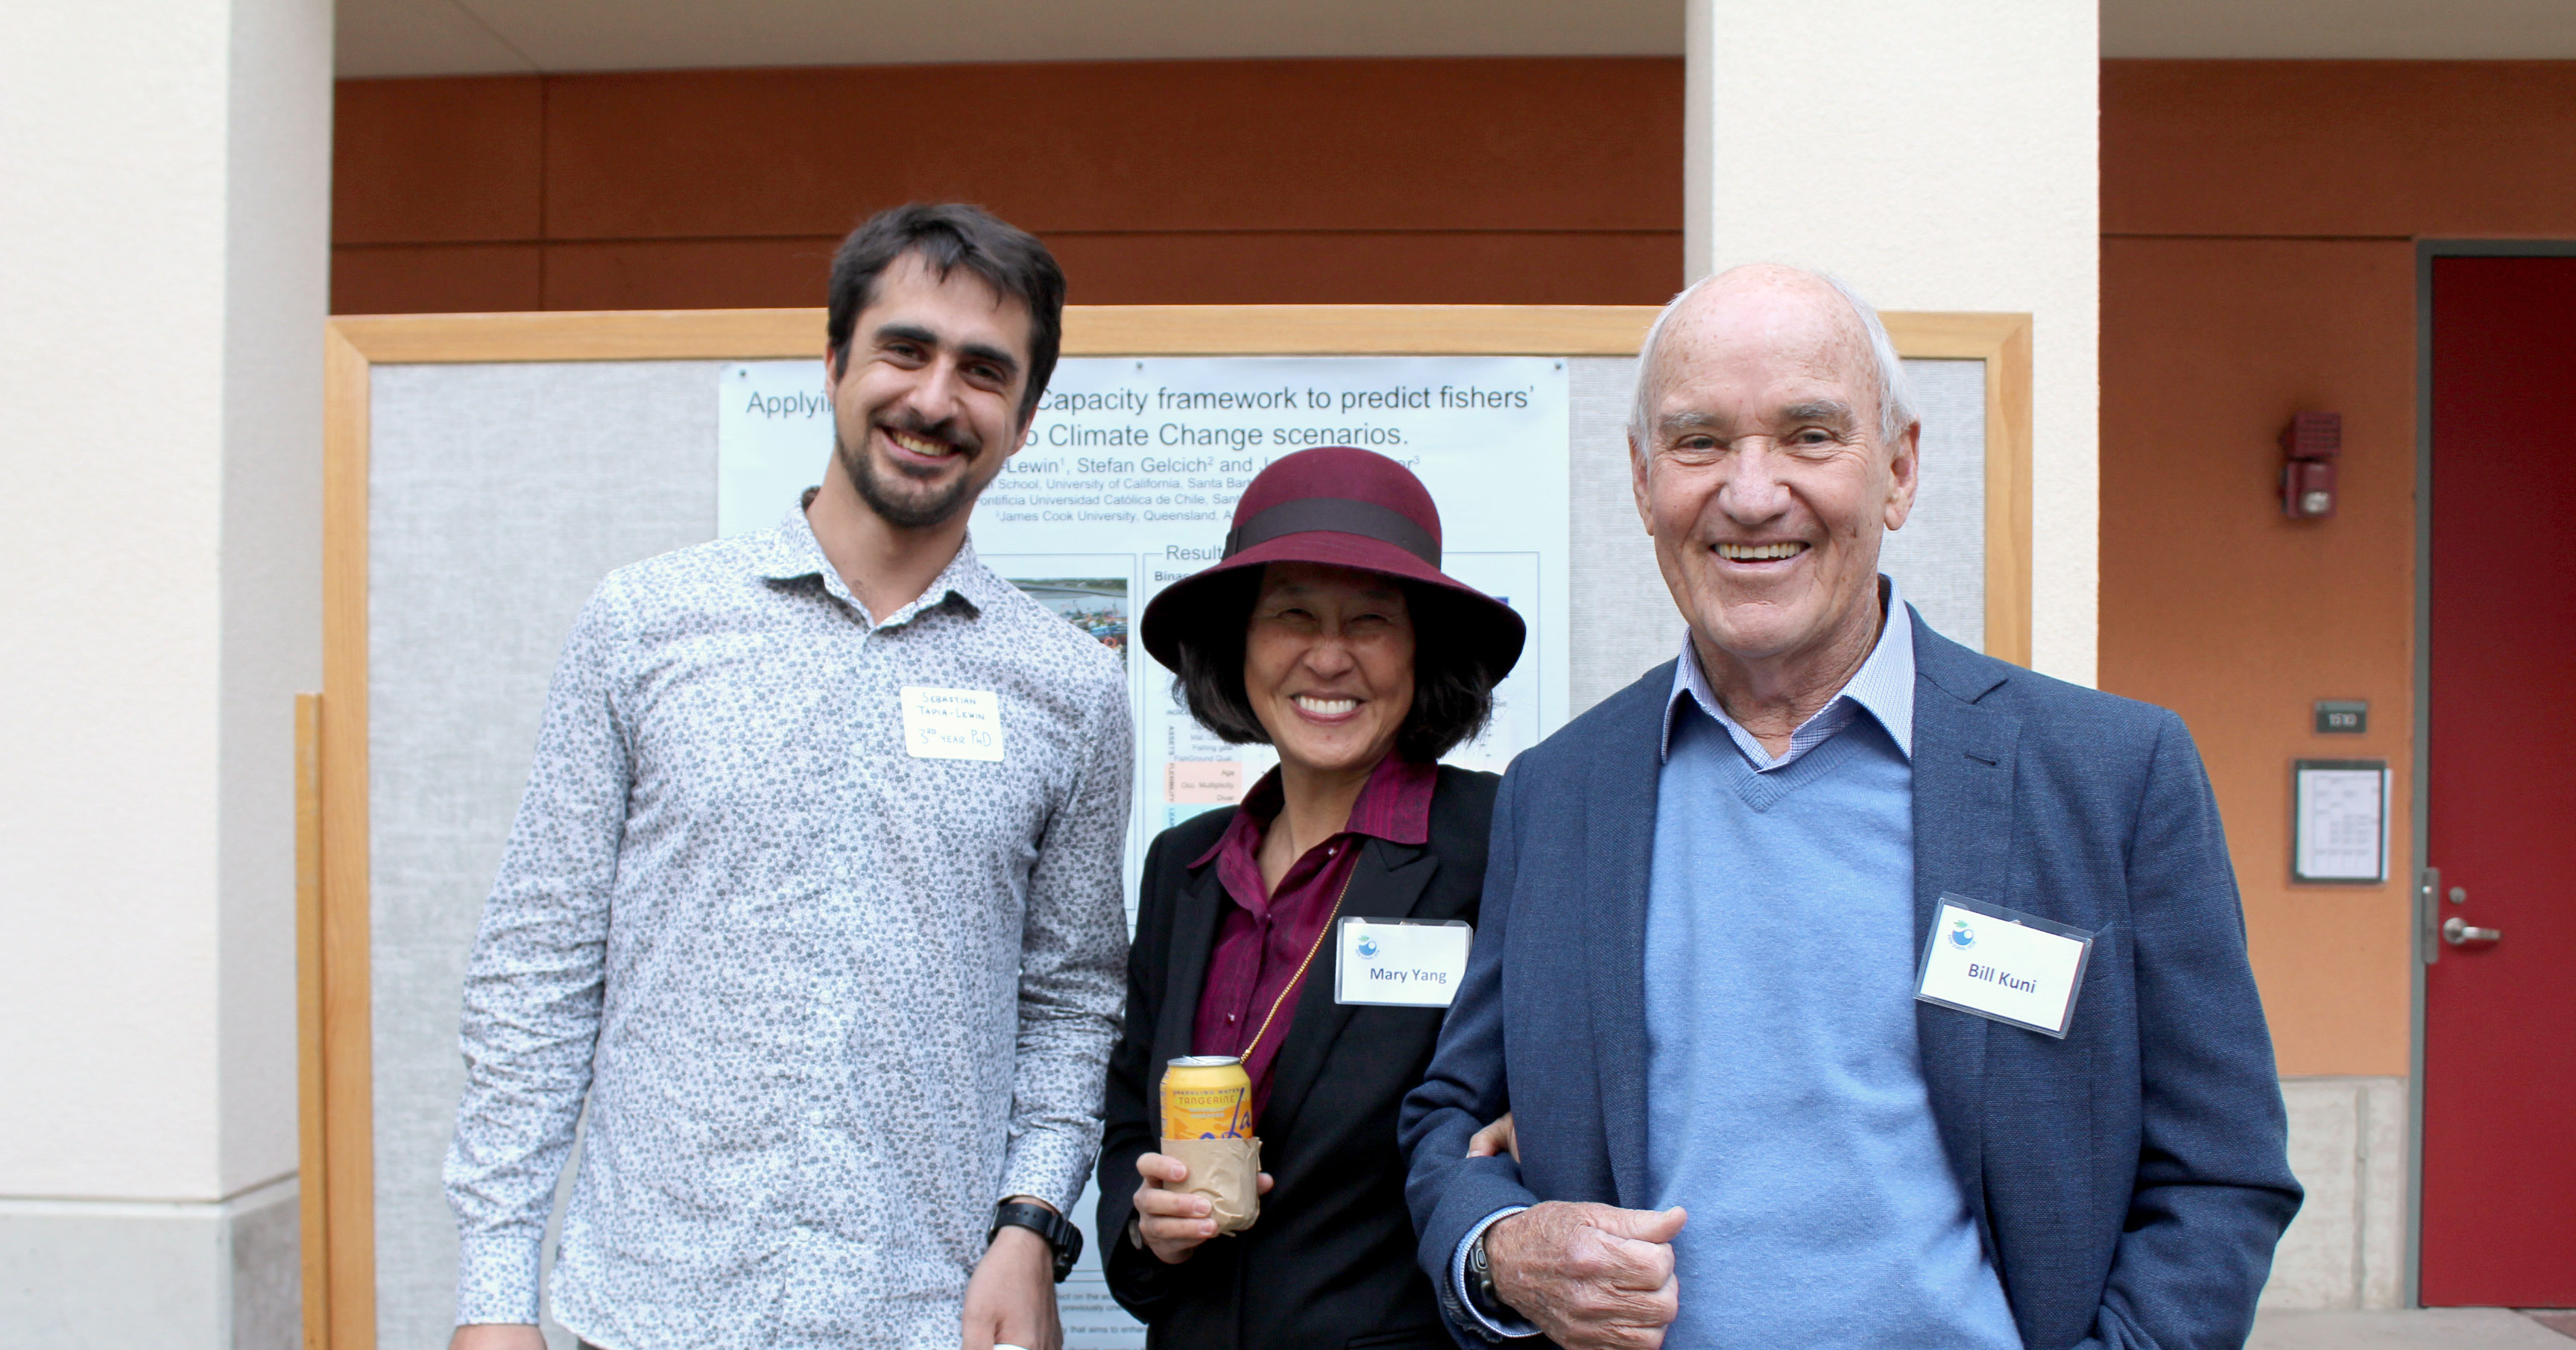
825,1002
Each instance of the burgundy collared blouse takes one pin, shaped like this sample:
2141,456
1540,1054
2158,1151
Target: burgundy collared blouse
1265,937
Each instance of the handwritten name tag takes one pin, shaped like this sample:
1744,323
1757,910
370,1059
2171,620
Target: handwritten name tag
2016,968
1401,962
952,723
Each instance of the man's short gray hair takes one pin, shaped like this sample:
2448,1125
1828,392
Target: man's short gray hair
1895,393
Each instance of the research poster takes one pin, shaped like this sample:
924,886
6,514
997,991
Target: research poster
1127,483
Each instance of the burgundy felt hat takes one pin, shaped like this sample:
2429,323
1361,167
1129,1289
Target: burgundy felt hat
1348,508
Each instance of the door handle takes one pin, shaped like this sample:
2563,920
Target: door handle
2428,908
2460,932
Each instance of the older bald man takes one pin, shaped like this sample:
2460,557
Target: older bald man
1845,987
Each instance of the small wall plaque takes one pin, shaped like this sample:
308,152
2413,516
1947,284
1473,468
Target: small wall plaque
2342,716
2339,821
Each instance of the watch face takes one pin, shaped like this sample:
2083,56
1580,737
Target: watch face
1480,1274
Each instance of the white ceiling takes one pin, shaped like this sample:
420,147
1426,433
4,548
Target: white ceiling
458,37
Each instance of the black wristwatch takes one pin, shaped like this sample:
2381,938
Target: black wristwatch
1058,1231
1480,1278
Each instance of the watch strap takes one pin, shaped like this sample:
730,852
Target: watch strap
1056,1229
1480,1277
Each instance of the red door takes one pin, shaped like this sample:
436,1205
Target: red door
2499,1222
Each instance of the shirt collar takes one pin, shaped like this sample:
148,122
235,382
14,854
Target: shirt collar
789,551
1883,687
1394,805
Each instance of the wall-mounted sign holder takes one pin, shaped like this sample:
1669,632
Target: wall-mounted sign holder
2339,822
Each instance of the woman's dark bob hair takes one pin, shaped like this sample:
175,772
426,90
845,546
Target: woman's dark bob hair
1453,689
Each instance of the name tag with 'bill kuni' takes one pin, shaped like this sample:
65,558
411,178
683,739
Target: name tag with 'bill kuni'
2016,968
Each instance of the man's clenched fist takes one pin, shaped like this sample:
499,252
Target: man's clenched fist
1593,1277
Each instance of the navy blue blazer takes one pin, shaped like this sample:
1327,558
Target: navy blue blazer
2129,1181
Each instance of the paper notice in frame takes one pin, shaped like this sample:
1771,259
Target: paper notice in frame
2339,821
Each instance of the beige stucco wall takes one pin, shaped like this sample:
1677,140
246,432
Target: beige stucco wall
162,243
1937,156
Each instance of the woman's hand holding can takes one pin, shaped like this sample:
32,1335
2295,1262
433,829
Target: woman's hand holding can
1173,1222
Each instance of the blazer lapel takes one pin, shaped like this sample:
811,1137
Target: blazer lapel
1617,862
1193,941
1387,881
1963,830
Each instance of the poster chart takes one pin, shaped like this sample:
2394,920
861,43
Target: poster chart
1127,482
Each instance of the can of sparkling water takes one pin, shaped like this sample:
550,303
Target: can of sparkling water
1207,1097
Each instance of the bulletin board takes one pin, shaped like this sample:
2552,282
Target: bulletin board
482,472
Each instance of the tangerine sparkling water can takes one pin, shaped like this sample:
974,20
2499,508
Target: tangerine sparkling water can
1207,1097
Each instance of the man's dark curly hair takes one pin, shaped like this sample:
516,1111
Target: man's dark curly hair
950,235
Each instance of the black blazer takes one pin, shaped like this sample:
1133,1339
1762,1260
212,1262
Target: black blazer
1330,1263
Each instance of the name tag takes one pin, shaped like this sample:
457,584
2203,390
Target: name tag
1995,962
1405,962
952,723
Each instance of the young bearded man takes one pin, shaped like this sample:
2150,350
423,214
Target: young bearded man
813,899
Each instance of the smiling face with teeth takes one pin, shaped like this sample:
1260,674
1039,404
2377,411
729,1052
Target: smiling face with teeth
1328,666
1768,485
926,405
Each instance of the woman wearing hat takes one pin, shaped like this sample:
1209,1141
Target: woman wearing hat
1329,632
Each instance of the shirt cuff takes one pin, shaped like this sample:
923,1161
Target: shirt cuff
1497,1327
496,1278
1045,1164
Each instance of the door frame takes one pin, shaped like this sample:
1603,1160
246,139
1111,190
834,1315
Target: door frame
2428,901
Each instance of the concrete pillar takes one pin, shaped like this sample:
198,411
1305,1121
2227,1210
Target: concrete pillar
164,252
1938,155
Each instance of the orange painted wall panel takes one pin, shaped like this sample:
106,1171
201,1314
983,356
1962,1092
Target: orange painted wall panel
1232,267
2389,148
437,278
437,161
1161,146
2215,605
1469,181
2261,261
688,274
1427,267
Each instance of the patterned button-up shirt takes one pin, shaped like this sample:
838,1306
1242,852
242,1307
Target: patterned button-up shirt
826,1001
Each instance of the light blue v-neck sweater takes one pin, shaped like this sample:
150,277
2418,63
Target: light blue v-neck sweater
1785,1099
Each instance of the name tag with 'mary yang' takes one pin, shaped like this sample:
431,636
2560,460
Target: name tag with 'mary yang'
1403,962
2016,968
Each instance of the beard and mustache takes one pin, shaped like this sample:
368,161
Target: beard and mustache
922,506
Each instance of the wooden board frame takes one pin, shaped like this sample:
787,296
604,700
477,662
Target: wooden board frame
335,1035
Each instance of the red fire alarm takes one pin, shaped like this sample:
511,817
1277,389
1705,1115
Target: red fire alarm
2309,446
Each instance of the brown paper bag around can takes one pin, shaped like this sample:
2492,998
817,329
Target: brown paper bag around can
1227,1172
